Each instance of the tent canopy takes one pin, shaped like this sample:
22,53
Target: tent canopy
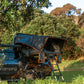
40,42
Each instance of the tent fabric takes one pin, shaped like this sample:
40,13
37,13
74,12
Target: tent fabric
34,41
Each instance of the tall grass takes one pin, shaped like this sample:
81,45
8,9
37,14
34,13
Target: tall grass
71,77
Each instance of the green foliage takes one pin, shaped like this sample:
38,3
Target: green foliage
15,14
7,37
10,17
72,34
32,20
45,25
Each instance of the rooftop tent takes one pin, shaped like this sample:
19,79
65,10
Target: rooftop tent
40,42
34,41
54,43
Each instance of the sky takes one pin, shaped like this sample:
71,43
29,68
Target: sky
60,3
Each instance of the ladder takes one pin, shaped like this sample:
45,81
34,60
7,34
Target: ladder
54,70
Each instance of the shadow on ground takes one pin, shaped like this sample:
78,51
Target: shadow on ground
73,70
76,66
69,76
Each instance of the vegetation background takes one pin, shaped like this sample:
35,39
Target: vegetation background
19,16
26,16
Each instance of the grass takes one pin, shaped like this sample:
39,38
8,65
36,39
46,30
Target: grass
73,64
73,75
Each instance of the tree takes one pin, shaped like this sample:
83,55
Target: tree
67,9
15,13
45,25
